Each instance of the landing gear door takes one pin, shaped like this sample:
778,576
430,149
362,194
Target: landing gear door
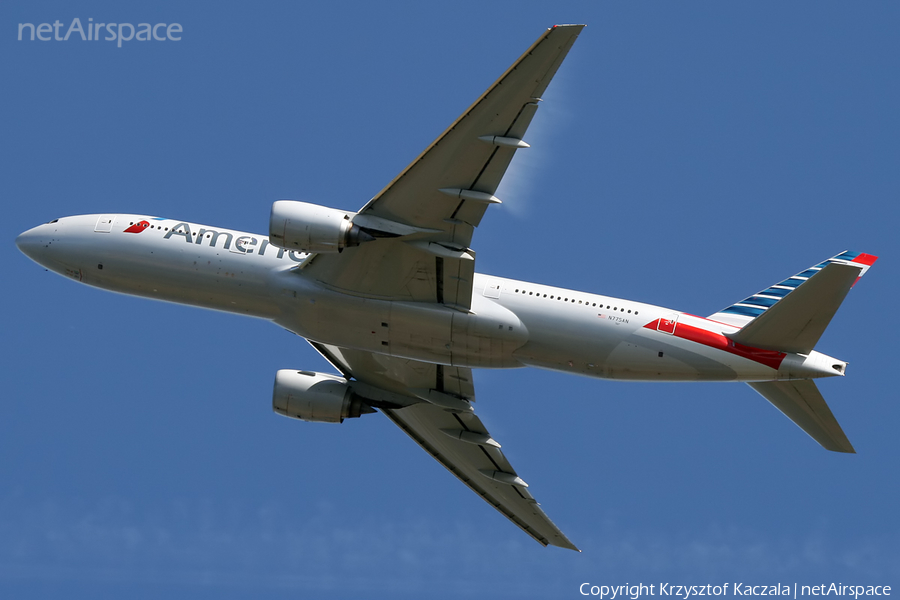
667,324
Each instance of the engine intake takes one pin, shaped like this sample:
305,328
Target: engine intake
315,397
313,228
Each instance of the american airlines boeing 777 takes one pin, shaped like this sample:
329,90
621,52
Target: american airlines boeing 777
390,297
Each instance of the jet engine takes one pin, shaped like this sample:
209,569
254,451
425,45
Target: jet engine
313,228
315,397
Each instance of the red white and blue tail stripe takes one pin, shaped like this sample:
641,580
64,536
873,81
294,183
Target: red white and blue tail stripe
741,313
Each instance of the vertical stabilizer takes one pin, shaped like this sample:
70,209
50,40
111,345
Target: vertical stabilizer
796,323
743,312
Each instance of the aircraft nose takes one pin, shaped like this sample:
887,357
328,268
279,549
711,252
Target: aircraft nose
35,243
29,243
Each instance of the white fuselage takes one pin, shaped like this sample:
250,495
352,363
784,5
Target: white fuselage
511,323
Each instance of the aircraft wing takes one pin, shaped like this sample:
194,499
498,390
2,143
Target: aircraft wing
468,156
424,219
456,438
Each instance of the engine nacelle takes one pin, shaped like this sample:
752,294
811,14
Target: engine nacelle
313,228
315,397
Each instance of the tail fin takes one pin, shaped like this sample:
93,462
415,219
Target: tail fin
801,402
792,315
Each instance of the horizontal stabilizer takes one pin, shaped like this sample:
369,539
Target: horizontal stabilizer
803,404
797,322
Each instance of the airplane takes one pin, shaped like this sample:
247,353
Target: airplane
390,297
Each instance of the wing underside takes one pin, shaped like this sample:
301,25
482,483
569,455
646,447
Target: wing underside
456,439
482,467
433,206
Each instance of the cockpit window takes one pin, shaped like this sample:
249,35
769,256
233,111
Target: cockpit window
53,221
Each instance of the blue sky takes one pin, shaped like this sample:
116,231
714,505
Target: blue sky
687,154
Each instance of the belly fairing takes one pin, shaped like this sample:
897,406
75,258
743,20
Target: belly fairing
485,337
